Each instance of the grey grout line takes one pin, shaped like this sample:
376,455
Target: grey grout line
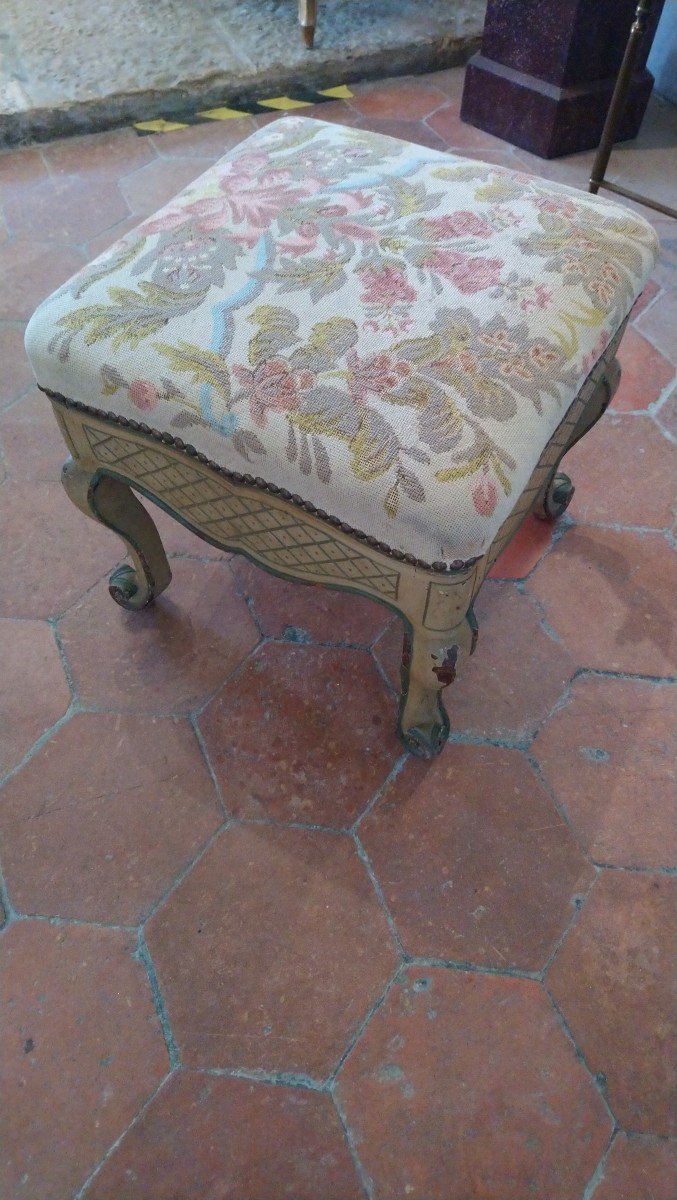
293,1079
571,923
670,872
64,922
598,1174
143,955
309,826
598,1081
382,672
423,961
208,764
81,1192
178,879
364,859
365,1180
390,777
366,1020
200,708
624,676
637,1135
11,914
557,804
38,744
459,737
67,669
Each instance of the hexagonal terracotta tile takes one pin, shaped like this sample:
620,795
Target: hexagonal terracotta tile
52,552
209,1136
639,1168
474,861
613,979
271,952
302,734
102,819
387,651
667,414
301,613
464,1085
65,208
610,754
516,675
464,138
402,99
167,658
645,372
407,131
639,490
610,597
34,692
107,155
30,440
80,1039
211,139
22,166
29,271
16,372
658,324
524,550
156,184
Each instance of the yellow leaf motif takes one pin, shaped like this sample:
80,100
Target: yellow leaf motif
204,365
583,314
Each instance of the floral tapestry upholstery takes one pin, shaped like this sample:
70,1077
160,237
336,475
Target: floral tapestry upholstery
388,331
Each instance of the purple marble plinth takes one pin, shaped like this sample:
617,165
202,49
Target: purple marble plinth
547,69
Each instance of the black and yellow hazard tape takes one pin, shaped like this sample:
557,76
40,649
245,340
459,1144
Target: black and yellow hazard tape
302,98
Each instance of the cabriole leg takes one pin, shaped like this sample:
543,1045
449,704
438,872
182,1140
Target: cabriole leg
114,505
430,662
557,493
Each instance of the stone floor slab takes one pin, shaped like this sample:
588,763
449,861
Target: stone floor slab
464,1084
614,981
474,861
80,1039
105,816
271,951
207,1137
610,755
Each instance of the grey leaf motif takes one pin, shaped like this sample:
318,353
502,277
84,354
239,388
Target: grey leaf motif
322,464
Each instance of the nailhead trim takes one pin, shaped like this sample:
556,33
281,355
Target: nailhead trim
168,439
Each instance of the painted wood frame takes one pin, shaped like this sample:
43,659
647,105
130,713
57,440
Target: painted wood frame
289,537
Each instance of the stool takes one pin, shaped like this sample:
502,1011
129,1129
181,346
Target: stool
355,360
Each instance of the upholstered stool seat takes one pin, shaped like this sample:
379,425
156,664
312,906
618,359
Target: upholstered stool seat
381,337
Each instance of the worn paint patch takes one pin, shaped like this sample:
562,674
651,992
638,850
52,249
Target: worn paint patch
446,670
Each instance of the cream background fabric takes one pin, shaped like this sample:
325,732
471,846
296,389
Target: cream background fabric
391,332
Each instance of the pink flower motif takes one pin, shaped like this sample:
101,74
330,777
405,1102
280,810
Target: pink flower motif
557,204
164,220
351,202
271,387
377,375
485,496
468,274
301,241
385,285
143,394
540,299
458,224
351,229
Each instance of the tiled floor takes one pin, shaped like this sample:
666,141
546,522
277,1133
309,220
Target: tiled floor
251,951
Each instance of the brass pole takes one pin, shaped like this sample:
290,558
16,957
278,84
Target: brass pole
616,109
308,21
